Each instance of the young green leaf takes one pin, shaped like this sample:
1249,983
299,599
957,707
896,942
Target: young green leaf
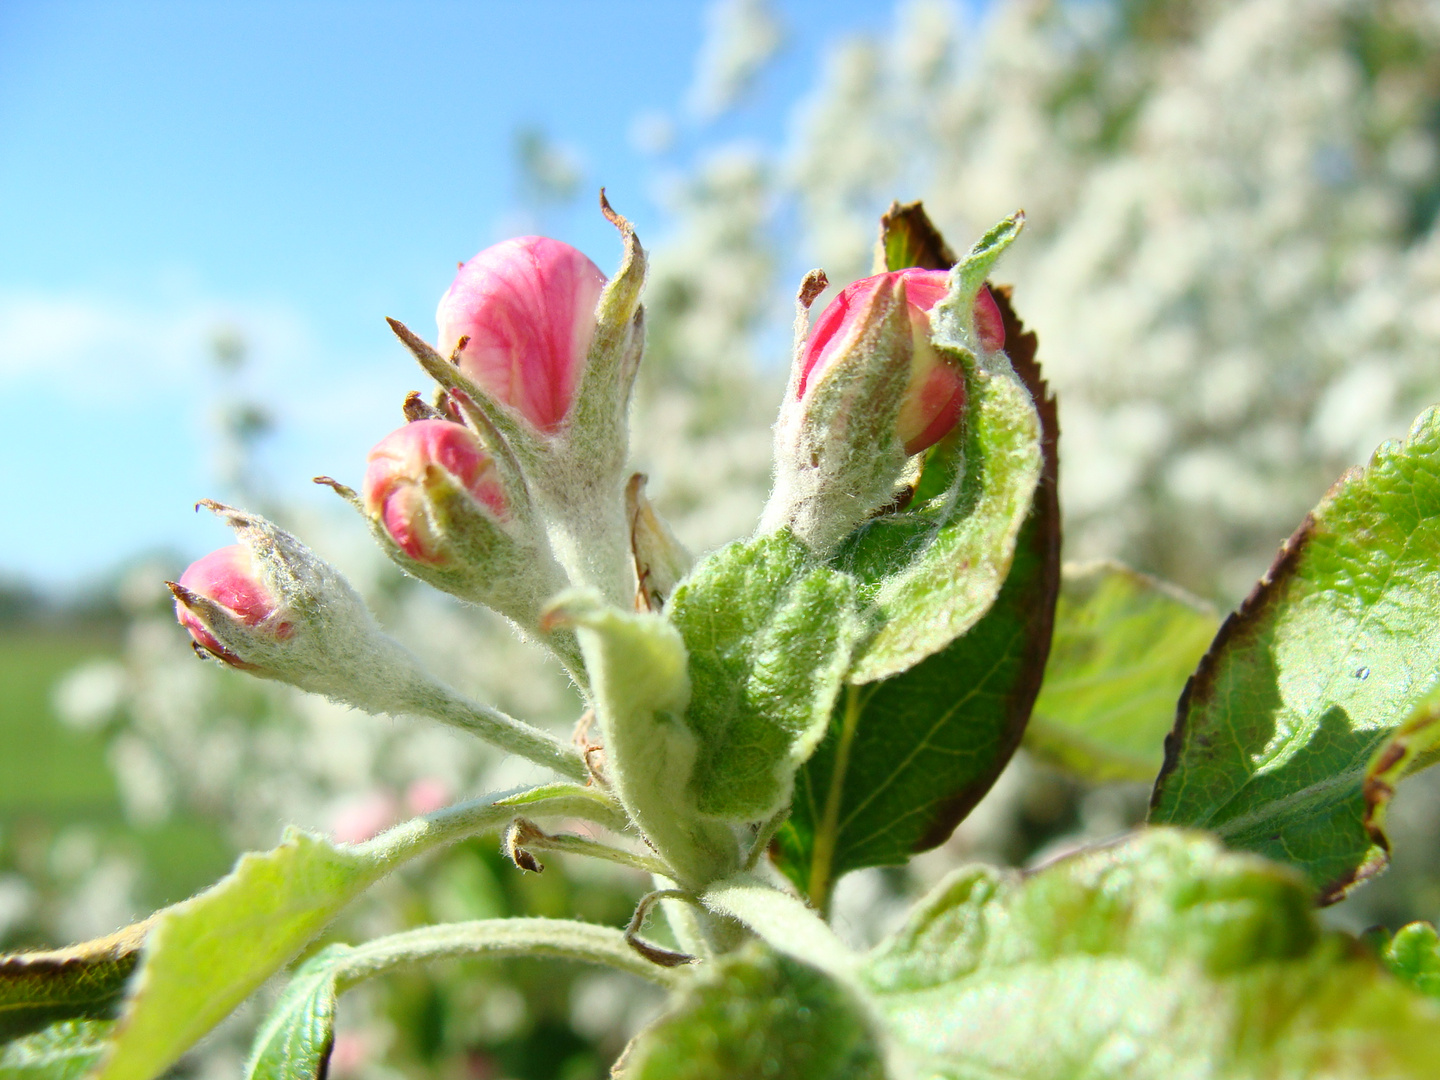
1124,645
207,954
906,758
769,636
1413,954
1279,728
755,1013
935,567
1160,957
641,685
908,238
82,981
62,1050
295,1041
203,956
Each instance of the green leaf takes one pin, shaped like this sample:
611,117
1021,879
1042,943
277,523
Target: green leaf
1281,724
82,981
203,956
641,688
1160,957
1413,954
295,1041
769,636
207,954
908,238
63,1050
754,1013
935,568
1124,645
906,758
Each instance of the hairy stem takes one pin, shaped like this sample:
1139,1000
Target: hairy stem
561,938
434,699
526,836
465,819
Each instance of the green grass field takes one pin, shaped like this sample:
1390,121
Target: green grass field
52,776
47,769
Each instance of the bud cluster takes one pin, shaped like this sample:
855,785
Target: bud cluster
510,487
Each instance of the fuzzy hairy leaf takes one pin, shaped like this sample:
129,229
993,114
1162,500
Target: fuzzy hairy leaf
906,758
935,567
206,955
641,685
1164,956
295,1041
62,1050
769,636
1124,645
1282,731
757,1014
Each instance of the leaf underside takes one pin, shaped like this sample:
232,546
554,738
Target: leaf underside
82,982
1124,645
1280,743
206,955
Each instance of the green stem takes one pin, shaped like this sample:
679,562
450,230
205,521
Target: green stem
822,861
534,839
561,938
453,823
438,701
763,836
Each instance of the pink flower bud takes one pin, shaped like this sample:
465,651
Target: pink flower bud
528,308
935,395
231,578
405,468
989,325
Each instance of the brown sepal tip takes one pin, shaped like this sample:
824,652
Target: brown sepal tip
336,486
814,284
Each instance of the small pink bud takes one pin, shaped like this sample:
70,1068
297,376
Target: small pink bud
527,306
405,466
231,578
935,395
989,325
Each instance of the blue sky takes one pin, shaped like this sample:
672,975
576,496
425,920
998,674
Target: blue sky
297,170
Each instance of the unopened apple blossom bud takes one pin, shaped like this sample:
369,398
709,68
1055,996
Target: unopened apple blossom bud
989,324
540,352
438,503
839,442
934,395
273,607
232,580
411,470
869,389
527,308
